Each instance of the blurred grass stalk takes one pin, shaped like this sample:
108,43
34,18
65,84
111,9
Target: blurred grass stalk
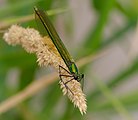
120,108
7,22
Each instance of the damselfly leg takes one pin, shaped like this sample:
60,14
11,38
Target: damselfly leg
65,74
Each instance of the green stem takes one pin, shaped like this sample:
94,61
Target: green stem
114,100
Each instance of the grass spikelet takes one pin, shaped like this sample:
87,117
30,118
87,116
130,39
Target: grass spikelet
47,54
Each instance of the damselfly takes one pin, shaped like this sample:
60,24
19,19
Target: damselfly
72,71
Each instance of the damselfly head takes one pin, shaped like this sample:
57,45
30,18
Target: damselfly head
78,77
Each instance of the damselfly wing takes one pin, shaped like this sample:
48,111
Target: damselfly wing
72,71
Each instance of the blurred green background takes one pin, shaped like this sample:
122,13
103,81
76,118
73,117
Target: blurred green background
87,28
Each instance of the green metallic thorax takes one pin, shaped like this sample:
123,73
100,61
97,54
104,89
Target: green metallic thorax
73,68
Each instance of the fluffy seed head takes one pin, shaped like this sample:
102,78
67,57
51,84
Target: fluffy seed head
29,38
47,54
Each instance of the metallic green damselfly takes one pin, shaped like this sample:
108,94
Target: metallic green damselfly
73,70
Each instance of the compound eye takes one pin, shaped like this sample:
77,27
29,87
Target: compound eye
82,76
